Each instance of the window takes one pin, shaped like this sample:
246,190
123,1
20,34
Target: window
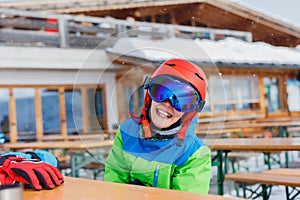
272,94
293,89
25,108
50,111
129,99
73,103
4,111
96,107
233,93
134,100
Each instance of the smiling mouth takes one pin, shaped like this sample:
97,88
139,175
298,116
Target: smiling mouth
163,113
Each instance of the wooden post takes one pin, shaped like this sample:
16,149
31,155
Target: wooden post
62,107
282,80
63,32
84,110
38,115
12,117
262,97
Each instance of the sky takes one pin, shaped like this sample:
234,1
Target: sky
284,10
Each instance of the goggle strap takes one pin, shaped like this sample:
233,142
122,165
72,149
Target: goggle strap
200,106
146,82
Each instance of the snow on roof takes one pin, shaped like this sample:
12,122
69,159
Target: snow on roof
230,51
238,51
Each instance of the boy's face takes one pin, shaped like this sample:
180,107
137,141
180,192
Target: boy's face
163,114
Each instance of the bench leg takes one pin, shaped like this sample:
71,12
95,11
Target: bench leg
220,173
262,190
290,195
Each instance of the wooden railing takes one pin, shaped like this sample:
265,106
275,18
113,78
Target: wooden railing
35,29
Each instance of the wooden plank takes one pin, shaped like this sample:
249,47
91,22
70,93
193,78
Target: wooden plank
38,114
81,188
71,145
264,178
294,129
262,103
84,106
218,131
51,39
62,108
12,117
75,137
254,144
26,36
283,172
105,120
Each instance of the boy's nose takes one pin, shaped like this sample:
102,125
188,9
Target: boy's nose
167,103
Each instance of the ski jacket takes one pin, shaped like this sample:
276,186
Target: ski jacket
159,163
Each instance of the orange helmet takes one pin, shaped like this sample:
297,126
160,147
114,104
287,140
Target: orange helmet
186,71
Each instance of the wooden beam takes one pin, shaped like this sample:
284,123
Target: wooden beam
282,87
105,121
84,106
38,115
262,103
12,117
62,108
187,12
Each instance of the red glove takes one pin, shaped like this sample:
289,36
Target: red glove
5,179
37,174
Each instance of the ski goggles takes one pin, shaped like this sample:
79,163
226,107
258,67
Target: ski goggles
182,96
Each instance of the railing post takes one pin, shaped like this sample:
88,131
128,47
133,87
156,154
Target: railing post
63,32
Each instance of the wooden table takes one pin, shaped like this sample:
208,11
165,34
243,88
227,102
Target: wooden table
225,145
283,125
79,188
254,144
76,149
74,145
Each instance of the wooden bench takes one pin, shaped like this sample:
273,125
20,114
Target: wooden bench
217,132
293,131
290,178
251,132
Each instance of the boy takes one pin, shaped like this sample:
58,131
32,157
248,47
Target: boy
160,148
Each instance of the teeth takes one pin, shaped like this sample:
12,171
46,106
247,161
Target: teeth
161,112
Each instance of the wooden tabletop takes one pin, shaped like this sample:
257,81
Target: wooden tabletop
76,145
74,137
264,178
79,188
230,125
218,131
254,144
283,172
232,144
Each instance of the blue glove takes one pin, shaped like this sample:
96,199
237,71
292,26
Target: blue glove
41,155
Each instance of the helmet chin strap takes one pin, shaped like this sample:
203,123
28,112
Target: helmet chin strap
186,122
144,120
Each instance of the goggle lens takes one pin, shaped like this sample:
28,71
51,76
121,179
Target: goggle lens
182,96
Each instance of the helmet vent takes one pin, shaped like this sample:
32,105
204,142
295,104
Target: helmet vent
171,64
197,75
